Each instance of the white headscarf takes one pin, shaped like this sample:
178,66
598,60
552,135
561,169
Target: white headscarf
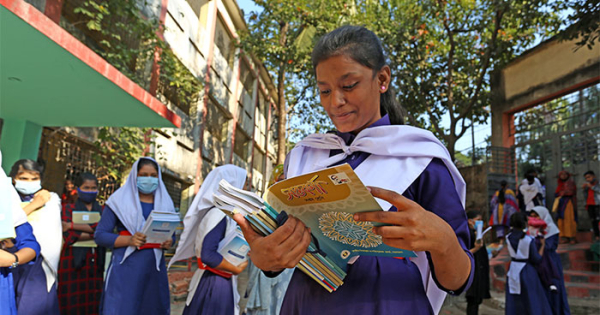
399,154
551,228
201,205
125,203
201,218
10,199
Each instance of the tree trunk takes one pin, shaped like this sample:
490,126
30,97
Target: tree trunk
281,108
451,145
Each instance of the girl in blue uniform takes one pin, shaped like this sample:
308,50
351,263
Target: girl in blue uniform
16,252
524,291
136,281
419,186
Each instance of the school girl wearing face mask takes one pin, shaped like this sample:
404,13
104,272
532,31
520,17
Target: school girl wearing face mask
136,280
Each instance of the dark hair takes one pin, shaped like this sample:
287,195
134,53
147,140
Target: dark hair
362,46
589,173
471,214
27,165
518,222
145,161
501,197
85,176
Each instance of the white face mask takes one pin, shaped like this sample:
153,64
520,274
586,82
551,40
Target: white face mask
28,188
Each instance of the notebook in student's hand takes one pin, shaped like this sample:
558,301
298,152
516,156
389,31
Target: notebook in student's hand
325,201
234,247
85,217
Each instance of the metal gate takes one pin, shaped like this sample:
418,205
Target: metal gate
562,134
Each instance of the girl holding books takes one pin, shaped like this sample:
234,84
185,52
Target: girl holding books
524,290
35,284
136,280
419,186
81,268
15,252
213,289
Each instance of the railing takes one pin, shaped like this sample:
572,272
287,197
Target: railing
500,160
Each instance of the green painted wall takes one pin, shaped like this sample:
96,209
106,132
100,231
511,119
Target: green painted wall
19,139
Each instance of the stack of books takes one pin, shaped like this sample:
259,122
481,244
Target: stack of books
264,220
85,217
159,227
324,201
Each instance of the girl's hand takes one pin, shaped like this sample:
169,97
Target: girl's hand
6,258
242,266
282,249
65,226
138,239
41,197
166,244
413,228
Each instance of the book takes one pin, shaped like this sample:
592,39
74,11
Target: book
85,217
479,229
325,201
159,227
234,248
7,226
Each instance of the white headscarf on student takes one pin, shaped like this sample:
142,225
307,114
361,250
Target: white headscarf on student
551,228
10,199
399,154
201,218
201,205
125,203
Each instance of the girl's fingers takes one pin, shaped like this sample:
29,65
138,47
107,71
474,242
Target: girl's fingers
295,255
399,201
388,217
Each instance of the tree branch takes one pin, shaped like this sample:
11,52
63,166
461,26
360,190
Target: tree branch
486,63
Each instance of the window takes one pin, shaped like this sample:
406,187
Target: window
224,41
216,122
241,143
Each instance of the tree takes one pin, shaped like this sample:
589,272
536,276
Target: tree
442,53
584,22
282,37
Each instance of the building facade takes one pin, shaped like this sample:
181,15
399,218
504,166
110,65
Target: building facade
546,115
229,121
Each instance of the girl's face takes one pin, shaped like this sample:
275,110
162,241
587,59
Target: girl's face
350,93
147,170
89,185
534,214
69,185
27,176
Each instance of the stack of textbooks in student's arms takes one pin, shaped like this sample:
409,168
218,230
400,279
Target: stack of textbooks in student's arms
325,201
264,220
159,227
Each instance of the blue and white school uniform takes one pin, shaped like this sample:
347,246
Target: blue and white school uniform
525,293
404,159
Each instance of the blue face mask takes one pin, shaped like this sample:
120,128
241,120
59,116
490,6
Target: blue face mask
147,185
87,196
28,188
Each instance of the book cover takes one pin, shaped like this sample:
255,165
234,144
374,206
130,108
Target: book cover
85,217
160,226
326,201
234,247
